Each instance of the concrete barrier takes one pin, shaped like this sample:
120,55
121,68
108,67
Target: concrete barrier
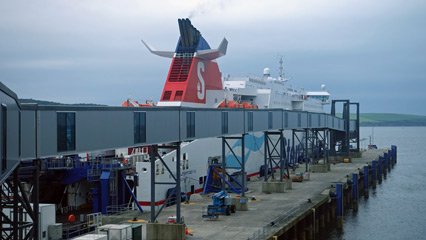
164,231
320,168
274,187
242,204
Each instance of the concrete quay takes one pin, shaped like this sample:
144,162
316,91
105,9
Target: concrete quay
298,213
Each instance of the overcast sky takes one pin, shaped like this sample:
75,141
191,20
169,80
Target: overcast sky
76,51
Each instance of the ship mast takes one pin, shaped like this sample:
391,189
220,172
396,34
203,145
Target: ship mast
281,70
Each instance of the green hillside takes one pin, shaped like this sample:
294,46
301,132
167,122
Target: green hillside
43,102
391,119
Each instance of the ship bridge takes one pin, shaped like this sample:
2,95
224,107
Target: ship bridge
30,133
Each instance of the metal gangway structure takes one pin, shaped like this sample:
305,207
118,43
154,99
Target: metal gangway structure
30,133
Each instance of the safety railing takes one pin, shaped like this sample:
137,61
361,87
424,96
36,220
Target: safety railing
274,225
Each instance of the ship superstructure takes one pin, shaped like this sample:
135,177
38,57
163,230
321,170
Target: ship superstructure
194,80
268,92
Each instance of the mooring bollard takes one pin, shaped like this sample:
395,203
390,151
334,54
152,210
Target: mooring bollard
390,160
385,166
339,205
366,181
370,172
380,169
355,193
388,157
374,173
394,155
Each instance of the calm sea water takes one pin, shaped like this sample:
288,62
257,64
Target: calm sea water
397,208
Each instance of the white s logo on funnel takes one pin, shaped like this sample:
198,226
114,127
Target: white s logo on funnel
201,86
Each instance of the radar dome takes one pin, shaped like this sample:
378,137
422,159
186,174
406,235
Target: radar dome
266,71
323,87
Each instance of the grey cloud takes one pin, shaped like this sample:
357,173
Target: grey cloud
371,52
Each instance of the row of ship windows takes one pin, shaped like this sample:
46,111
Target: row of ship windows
184,165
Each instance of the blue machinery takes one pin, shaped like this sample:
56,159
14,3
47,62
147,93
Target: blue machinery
221,205
41,132
106,176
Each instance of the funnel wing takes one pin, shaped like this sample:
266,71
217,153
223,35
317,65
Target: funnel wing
167,54
212,54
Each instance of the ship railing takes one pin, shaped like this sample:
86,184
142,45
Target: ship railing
64,163
99,164
91,223
107,163
118,209
94,219
70,231
67,209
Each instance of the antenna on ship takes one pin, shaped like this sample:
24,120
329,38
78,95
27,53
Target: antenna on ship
281,70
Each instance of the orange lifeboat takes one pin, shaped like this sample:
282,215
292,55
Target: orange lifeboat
145,105
247,105
222,104
127,103
232,104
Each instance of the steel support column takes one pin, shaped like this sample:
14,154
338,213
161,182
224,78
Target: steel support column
306,151
178,189
154,156
301,145
15,190
152,152
327,146
322,145
275,150
223,162
344,137
35,195
243,166
293,150
355,135
241,162
314,139
15,203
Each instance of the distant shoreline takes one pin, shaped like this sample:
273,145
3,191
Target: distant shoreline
390,125
391,120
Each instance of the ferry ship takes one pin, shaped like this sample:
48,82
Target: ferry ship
194,80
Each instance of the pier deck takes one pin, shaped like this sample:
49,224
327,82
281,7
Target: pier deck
267,208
